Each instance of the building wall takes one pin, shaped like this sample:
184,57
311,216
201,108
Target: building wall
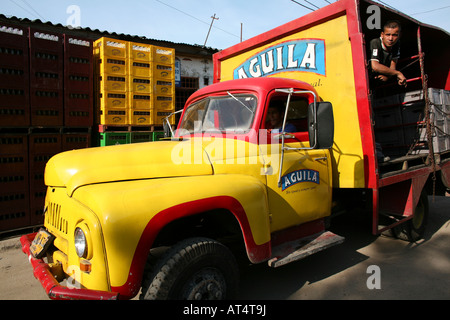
194,67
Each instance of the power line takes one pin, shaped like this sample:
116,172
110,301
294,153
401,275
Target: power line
431,10
29,6
25,9
303,5
189,15
387,5
311,4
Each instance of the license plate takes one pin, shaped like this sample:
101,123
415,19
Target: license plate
40,244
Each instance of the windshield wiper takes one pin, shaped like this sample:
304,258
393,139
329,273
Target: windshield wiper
231,95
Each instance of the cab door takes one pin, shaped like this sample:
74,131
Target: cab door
301,191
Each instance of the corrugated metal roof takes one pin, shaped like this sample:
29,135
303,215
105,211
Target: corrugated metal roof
95,34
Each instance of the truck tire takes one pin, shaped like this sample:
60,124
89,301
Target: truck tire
414,229
193,269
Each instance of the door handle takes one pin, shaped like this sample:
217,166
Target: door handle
320,159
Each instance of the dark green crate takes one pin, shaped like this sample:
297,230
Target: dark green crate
141,137
113,138
158,135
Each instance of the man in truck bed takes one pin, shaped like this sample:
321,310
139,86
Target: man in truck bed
384,54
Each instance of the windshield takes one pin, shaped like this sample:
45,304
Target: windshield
224,113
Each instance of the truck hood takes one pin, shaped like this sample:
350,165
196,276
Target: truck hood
160,159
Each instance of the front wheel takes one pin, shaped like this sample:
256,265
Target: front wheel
193,269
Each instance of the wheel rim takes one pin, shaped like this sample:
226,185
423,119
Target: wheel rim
207,284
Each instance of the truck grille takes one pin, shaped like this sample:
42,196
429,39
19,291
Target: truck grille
55,219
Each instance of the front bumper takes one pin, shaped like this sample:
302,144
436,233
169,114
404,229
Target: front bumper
54,290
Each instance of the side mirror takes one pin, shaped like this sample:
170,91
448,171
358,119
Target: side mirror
321,125
167,129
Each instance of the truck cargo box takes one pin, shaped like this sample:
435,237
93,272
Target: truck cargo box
328,49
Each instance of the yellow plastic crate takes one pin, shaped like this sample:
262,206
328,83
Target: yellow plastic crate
112,66
140,85
140,69
108,47
160,115
140,52
163,71
163,55
164,87
164,102
141,117
114,100
140,101
114,116
113,83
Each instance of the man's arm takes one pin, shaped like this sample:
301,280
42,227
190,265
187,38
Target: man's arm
387,72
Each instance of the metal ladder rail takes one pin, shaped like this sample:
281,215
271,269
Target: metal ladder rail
428,123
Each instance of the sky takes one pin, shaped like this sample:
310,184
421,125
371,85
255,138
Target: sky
189,22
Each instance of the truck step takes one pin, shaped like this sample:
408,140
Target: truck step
301,248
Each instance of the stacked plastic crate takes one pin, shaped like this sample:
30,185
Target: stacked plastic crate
135,90
14,177
111,81
14,76
14,112
400,122
47,111
46,78
78,82
78,93
45,107
140,83
111,88
164,78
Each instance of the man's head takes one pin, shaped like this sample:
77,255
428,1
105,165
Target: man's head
390,34
275,113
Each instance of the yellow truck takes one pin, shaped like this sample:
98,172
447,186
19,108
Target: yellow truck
259,164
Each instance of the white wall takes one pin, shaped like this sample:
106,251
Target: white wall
197,68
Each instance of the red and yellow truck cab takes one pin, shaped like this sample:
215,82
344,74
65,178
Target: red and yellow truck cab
259,163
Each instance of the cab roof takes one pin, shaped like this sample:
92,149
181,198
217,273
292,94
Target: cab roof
258,85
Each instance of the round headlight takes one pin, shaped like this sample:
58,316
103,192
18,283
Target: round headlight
80,243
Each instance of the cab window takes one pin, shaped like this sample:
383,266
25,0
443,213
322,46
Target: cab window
296,120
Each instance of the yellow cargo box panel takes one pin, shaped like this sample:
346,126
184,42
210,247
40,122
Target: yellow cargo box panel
321,56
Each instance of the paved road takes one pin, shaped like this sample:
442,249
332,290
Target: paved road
406,271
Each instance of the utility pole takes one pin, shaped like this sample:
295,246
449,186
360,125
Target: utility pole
213,18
